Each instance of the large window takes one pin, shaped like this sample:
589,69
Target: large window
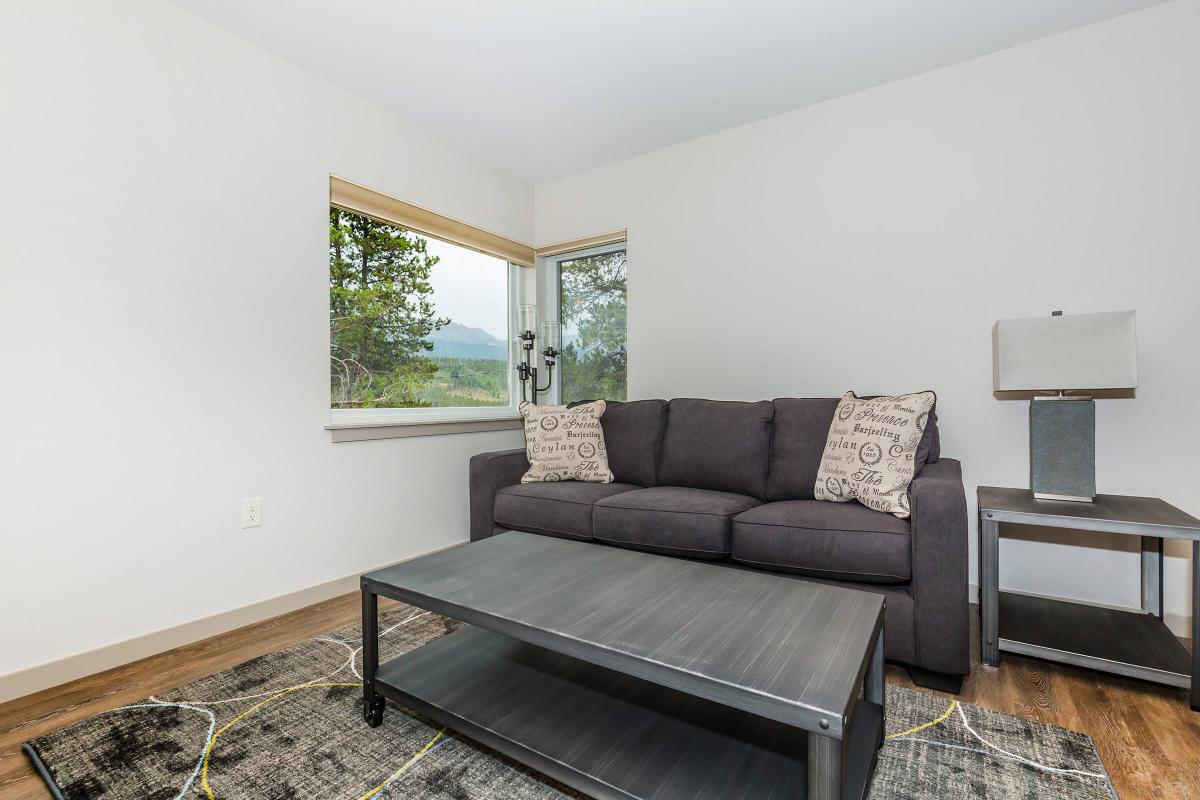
415,322
591,288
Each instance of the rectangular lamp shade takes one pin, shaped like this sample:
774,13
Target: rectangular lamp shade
1075,352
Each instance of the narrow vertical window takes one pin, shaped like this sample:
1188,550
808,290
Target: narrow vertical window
592,301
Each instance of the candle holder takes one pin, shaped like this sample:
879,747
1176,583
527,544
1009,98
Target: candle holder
525,345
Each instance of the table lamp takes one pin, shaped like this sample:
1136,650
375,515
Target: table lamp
1051,356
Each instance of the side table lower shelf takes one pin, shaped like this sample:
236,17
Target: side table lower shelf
610,735
1130,643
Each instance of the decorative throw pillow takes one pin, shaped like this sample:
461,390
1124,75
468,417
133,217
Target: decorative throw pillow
870,453
565,444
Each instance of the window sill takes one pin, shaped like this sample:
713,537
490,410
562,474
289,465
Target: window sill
394,429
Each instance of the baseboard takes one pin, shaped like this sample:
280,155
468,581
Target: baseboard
81,665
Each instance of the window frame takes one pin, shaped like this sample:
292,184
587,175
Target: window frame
553,270
354,424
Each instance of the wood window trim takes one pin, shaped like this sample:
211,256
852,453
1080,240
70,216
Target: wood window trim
360,199
581,244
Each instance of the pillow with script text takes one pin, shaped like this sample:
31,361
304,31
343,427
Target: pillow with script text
870,453
565,444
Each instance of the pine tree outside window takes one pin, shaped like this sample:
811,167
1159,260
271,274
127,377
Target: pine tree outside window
592,310
419,328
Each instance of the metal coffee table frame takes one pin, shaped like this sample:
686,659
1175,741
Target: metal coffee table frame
545,723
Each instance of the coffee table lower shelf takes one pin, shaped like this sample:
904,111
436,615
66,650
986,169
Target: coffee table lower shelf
607,734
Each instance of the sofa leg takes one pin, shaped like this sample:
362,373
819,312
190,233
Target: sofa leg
938,681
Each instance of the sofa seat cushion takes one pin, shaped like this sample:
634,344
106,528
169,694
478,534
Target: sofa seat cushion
670,519
561,508
827,540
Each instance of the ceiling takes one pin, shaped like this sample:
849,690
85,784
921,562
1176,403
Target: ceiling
546,88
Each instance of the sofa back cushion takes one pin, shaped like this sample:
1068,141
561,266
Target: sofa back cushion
633,434
930,448
800,429
718,445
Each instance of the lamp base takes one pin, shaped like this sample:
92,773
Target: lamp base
1062,448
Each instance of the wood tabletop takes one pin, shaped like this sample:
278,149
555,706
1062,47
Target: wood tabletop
1110,512
786,649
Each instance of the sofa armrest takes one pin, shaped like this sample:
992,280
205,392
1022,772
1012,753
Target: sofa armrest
490,472
940,564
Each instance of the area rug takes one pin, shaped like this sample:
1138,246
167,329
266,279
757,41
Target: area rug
289,725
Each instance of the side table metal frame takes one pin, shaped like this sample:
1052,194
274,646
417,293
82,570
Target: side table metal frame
992,514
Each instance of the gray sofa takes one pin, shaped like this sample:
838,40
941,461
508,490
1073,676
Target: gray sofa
732,482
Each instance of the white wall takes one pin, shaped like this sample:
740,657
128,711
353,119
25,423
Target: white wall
870,242
164,312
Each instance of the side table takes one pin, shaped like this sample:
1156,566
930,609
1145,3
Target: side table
1136,644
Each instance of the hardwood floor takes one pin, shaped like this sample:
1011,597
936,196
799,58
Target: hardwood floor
1146,734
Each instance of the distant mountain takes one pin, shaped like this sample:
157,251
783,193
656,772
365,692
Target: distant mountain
459,341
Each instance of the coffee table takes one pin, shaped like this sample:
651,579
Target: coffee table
631,675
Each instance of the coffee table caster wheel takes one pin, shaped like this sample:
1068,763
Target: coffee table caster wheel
374,713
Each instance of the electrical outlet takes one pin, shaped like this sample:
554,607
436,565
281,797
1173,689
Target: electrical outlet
252,512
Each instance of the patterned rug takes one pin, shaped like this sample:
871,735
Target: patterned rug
289,725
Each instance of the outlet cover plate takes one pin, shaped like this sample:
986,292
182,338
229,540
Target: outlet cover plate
252,509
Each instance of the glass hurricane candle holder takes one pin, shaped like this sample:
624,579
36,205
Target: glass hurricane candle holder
550,335
527,318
